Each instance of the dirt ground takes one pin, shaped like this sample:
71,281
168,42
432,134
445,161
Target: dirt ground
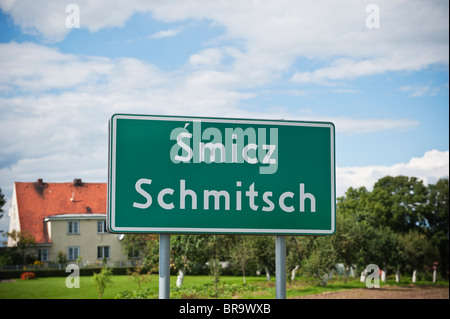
387,292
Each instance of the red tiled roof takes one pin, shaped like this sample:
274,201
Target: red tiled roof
39,200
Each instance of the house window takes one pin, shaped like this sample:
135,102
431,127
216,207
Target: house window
101,227
134,253
73,227
42,254
103,252
73,252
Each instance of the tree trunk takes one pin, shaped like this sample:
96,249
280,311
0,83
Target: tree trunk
180,277
363,276
293,272
267,273
397,276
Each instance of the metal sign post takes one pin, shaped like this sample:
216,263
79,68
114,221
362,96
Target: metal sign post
280,267
164,266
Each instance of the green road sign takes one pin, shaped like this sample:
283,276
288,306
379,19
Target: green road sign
220,175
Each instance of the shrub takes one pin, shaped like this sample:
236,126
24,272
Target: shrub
102,280
27,275
146,293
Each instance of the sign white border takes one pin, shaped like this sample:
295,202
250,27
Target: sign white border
111,213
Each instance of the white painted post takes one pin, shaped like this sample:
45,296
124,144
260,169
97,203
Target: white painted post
280,267
164,266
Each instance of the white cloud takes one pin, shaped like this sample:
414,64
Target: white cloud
48,18
90,89
29,67
207,58
412,36
165,33
343,69
419,90
430,167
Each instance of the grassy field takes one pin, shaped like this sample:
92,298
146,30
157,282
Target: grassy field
194,287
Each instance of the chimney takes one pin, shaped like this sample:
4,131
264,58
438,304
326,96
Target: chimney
39,186
77,182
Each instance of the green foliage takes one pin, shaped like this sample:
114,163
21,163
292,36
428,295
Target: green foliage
243,252
61,258
321,260
401,224
264,253
144,247
399,203
437,217
195,291
2,202
139,276
417,251
102,280
147,293
23,240
215,269
187,251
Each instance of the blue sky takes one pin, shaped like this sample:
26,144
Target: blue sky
386,88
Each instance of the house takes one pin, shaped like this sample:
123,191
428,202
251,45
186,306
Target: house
66,219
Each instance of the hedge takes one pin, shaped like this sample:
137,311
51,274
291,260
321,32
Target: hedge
89,271
41,273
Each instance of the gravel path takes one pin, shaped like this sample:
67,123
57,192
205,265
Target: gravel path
386,292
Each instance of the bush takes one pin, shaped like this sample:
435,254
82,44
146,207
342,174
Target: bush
47,272
146,293
27,275
102,280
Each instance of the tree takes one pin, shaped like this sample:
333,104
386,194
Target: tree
355,205
102,280
399,203
437,217
297,249
138,275
242,253
383,249
321,259
187,251
142,246
350,238
383,226
23,240
264,253
215,249
355,228
418,251
2,203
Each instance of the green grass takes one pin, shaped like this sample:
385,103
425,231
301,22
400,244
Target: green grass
194,287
